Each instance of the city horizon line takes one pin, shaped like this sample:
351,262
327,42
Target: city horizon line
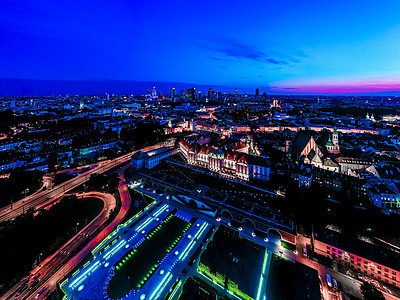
40,91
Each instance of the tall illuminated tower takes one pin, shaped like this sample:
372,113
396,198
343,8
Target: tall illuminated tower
154,93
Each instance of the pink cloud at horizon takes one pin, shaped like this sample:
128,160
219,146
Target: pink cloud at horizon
342,86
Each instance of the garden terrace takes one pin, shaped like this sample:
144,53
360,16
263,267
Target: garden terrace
281,281
228,257
194,286
136,267
240,204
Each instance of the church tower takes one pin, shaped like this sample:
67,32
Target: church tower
335,141
335,137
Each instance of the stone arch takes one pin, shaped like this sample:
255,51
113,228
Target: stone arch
226,214
248,223
168,191
193,204
274,236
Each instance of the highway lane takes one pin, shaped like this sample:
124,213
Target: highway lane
68,266
54,195
23,205
20,207
53,261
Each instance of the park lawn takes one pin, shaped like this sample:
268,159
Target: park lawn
238,260
281,280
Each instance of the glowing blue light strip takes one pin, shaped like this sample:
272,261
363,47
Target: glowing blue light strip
144,224
84,274
161,286
175,290
160,210
104,241
115,249
200,231
262,275
191,244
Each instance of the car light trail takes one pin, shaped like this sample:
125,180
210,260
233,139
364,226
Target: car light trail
104,241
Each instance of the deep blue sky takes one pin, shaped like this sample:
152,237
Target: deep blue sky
279,46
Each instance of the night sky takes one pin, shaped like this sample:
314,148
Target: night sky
279,46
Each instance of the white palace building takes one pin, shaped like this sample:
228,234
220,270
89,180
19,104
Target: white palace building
230,164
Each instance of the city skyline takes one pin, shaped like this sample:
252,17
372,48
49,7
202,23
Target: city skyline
280,48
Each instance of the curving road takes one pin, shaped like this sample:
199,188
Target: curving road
45,198
61,269
62,255
57,266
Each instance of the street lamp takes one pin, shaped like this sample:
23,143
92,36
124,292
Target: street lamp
76,228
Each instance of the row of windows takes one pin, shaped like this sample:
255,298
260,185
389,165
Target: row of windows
352,260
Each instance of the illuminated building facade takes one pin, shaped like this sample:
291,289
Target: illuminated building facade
230,164
371,260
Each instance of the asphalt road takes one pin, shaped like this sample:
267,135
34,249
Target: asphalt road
46,197
59,257
57,264
58,269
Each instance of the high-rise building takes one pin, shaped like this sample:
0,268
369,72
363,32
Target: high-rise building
209,93
183,94
172,92
264,96
316,104
154,93
199,94
257,93
191,94
236,92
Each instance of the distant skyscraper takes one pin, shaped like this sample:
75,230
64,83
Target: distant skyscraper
172,92
183,93
264,96
148,95
236,92
209,93
191,93
257,93
154,93
199,94
316,104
